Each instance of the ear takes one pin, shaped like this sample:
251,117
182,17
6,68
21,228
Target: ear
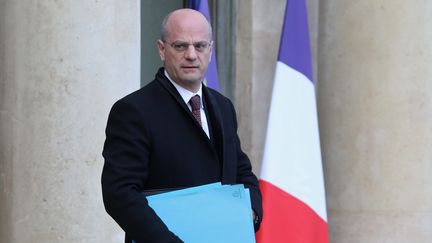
161,48
211,52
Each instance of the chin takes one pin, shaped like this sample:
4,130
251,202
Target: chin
194,79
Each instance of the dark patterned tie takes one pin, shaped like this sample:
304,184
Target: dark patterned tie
195,103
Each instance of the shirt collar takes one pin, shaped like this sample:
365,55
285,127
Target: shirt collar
184,93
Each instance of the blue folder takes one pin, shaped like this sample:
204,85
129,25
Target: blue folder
210,213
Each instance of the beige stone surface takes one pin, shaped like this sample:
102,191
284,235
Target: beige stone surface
375,111
265,46
243,82
62,65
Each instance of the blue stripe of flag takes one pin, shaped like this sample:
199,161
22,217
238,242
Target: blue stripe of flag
294,48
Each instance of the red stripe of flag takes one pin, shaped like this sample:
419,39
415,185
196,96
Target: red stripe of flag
282,211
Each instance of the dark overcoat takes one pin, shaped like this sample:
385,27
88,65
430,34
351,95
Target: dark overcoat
154,142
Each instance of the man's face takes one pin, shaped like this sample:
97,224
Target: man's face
186,52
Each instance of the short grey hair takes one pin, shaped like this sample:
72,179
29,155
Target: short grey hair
164,31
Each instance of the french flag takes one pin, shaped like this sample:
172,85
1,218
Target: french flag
291,178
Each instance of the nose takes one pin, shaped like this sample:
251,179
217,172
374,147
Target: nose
191,53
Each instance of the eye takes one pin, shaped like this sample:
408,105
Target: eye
180,46
201,46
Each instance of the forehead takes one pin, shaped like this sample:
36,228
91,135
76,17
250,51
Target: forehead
191,27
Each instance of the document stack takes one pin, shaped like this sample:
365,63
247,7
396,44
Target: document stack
209,213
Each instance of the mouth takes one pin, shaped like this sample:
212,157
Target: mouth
190,68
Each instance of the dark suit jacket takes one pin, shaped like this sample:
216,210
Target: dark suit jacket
154,142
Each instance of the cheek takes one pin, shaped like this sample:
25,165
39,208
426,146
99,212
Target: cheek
172,62
176,61
207,57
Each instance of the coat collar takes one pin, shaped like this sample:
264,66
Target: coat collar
209,101
215,116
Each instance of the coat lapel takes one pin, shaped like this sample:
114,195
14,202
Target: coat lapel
163,80
215,116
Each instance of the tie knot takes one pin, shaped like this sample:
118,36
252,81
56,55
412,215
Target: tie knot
195,103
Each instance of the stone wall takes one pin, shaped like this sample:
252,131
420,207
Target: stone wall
62,65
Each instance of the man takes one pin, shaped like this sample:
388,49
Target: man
164,136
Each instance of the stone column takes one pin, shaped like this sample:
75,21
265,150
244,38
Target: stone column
375,113
62,65
243,82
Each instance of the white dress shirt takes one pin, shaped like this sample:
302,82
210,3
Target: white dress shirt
187,95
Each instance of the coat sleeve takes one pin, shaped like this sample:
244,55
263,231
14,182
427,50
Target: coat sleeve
246,176
126,152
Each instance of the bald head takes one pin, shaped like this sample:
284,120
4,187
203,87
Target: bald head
185,47
184,18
